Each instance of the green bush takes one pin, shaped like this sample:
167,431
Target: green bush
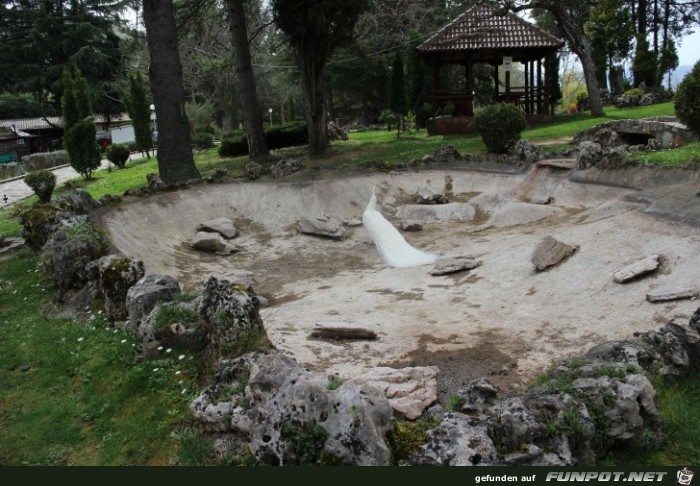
687,100
253,170
388,118
290,134
233,144
42,183
500,126
202,140
118,154
279,136
633,92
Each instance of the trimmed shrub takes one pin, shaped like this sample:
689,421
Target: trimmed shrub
687,100
202,140
233,144
500,126
118,154
633,92
572,108
290,134
279,136
42,183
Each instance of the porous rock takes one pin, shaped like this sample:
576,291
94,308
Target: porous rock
637,269
409,390
143,296
292,418
117,274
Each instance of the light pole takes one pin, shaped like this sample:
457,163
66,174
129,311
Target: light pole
154,133
270,111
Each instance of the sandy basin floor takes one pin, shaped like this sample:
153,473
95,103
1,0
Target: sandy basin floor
501,320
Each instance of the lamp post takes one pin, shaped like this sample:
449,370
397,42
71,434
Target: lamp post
154,133
270,111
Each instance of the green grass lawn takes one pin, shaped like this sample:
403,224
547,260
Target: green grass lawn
75,392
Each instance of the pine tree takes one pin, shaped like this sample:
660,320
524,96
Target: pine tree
397,102
79,133
139,110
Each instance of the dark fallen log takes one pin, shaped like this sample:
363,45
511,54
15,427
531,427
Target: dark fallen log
343,333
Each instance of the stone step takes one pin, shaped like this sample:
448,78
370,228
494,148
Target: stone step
558,163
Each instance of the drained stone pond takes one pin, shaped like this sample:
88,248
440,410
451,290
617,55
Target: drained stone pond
503,319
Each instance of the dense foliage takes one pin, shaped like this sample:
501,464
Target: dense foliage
42,183
500,126
687,102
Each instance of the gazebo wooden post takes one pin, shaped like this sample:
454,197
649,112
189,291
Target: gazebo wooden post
533,94
547,108
540,93
527,87
434,82
469,73
495,77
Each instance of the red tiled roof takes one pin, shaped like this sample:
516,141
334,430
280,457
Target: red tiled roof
481,27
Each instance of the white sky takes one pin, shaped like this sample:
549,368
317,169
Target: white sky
689,51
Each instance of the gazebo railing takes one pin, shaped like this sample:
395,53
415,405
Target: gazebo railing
459,103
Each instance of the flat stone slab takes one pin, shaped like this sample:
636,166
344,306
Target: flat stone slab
410,226
9,244
454,264
322,226
557,163
409,390
550,252
212,242
637,269
427,196
437,213
665,295
352,223
223,226
542,199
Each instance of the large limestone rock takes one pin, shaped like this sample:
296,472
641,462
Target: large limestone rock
143,296
117,274
550,252
185,333
666,133
589,154
292,418
223,226
457,441
286,167
231,313
409,390
212,242
637,269
74,242
322,226
440,213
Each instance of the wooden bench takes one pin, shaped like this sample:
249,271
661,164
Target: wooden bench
8,157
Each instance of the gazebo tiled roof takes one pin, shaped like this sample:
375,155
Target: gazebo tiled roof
482,27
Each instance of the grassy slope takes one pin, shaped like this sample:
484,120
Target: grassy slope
90,401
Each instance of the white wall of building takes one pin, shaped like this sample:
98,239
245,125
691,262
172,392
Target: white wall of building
123,134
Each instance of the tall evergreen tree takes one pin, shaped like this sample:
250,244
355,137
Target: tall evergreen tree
175,160
40,39
79,131
139,110
415,74
315,30
397,102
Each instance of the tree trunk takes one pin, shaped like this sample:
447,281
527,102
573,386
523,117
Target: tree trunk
642,18
252,116
314,89
573,31
175,161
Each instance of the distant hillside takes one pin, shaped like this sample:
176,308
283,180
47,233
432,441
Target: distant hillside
678,75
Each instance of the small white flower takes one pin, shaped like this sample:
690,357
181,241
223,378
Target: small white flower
116,331
25,298
133,345
178,372
181,357
168,350
80,339
99,313
123,341
155,369
184,390
180,382
14,291
160,348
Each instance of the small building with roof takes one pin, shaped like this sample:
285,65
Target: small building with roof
483,35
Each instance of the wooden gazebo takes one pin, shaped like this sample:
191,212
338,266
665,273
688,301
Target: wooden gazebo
481,35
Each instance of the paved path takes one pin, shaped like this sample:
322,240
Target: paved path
16,189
